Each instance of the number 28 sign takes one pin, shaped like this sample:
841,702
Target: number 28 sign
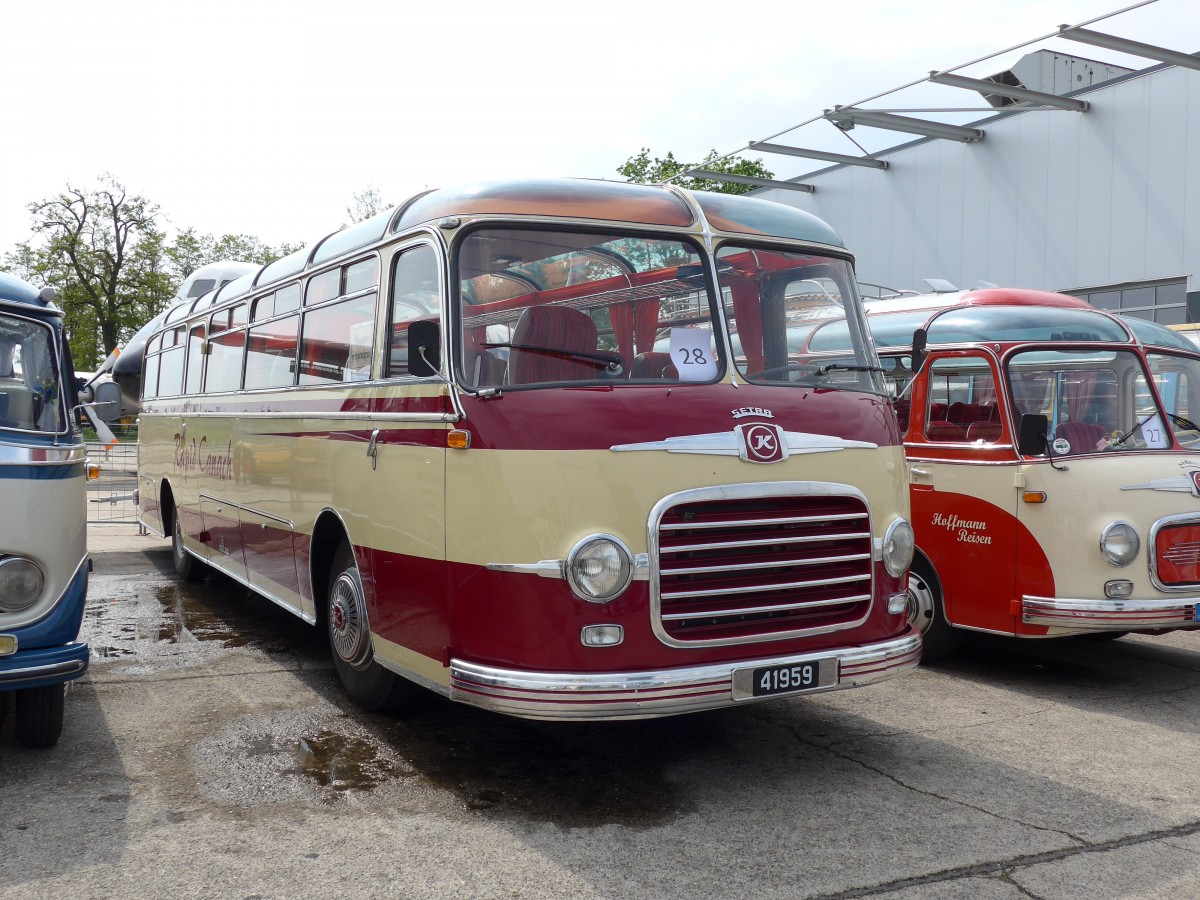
692,353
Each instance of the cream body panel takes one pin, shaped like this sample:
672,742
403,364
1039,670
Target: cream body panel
1085,498
523,506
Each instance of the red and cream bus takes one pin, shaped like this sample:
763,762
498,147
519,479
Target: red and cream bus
1055,463
446,436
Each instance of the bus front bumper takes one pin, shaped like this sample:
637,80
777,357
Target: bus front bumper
42,667
1109,615
665,692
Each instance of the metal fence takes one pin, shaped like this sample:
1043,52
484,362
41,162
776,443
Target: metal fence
110,497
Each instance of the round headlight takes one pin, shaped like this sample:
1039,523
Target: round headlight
21,583
1119,544
599,568
898,546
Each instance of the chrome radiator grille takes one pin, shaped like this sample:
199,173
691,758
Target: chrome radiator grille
743,565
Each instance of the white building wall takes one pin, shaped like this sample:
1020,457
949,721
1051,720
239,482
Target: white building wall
1048,199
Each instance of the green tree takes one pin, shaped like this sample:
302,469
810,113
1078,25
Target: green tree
103,252
365,204
191,250
644,170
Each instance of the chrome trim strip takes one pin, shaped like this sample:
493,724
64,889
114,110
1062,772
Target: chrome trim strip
11,677
738,567
215,562
1152,550
726,443
1180,483
250,509
22,454
661,692
1109,615
311,415
774,542
764,588
557,568
745,492
751,610
784,520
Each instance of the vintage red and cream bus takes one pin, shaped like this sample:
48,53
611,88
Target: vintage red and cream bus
446,435
1055,463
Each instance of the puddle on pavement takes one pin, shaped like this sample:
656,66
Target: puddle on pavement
345,762
143,616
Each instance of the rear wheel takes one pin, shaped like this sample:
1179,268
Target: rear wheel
187,566
927,613
369,684
40,715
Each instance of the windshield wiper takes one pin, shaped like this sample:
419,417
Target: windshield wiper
829,367
1187,424
610,361
1117,442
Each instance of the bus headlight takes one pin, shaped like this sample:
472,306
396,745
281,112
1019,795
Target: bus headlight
21,583
599,568
1119,544
898,547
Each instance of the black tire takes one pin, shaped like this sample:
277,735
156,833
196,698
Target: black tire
369,684
927,613
40,715
187,566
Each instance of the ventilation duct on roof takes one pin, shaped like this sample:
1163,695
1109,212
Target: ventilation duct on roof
1052,73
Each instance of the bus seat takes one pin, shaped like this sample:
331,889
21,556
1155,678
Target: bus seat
958,412
937,412
653,365
902,408
19,406
552,328
1082,436
983,431
486,369
944,431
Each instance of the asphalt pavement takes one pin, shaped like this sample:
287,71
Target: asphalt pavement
209,752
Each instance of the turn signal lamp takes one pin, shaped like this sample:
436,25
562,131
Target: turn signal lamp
602,635
8,644
1034,496
1118,590
93,472
458,439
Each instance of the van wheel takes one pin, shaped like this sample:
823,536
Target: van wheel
369,684
927,614
40,715
187,566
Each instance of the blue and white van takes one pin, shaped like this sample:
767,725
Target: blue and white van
43,534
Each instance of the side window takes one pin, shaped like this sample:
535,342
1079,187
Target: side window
226,349
287,299
416,296
961,401
337,341
271,354
195,360
323,287
264,308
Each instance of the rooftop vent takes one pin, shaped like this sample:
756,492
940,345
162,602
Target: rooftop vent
1052,73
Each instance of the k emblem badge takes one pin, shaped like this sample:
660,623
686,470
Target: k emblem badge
761,443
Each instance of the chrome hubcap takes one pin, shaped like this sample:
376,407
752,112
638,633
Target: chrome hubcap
920,603
346,631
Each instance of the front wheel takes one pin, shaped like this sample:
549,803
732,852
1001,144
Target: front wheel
40,715
927,613
368,683
187,566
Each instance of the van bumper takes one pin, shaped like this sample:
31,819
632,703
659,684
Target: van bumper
1109,615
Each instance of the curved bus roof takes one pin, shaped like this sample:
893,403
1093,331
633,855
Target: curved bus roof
565,198
15,290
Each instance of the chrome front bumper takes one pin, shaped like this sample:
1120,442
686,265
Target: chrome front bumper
665,692
1109,615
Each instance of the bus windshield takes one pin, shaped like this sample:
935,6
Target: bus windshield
548,307
1094,400
30,389
1178,381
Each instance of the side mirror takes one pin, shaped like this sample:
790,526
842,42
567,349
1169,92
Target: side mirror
107,404
1031,437
424,348
920,340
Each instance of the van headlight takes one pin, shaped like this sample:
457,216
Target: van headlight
21,583
898,547
1119,544
599,568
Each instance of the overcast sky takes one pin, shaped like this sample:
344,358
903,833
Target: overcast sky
265,118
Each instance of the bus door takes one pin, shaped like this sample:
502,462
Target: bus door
405,472
962,468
